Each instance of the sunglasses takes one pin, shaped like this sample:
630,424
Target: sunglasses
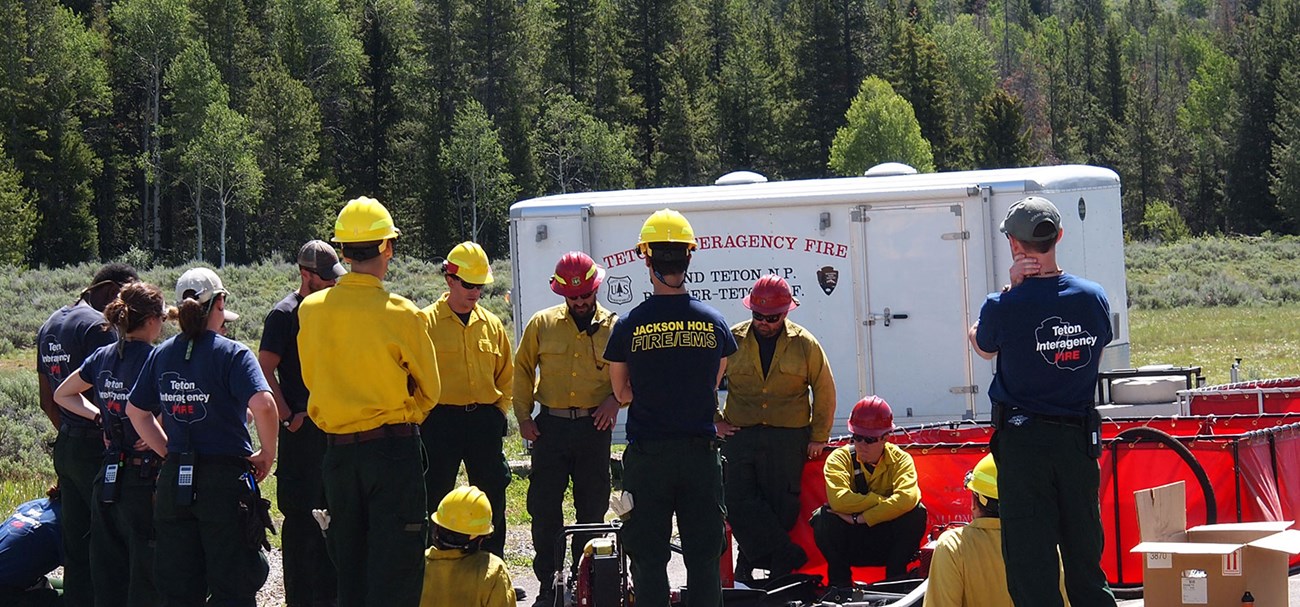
767,317
868,440
468,285
580,297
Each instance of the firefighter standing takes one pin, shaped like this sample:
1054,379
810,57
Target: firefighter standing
560,364
670,353
63,343
203,385
370,366
121,535
874,514
474,358
457,573
772,427
309,575
1048,330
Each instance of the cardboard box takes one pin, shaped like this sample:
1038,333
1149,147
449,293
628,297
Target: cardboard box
1209,564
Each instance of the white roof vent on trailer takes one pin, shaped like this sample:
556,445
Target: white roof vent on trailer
741,178
885,169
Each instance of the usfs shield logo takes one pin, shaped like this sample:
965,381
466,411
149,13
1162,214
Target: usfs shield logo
618,289
828,277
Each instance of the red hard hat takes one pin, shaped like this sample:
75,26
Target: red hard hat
770,295
576,274
871,417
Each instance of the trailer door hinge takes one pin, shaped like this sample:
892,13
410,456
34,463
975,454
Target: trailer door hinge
859,213
964,389
962,235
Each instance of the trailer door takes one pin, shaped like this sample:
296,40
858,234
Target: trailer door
915,310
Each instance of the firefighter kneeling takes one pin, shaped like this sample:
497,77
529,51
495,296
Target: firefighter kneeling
456,572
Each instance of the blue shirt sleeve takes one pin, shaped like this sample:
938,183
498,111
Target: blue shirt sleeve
246,377
725,338
88,366
987,334
616,349
144,394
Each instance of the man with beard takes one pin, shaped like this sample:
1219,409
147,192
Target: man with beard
309,576
772,427
560,365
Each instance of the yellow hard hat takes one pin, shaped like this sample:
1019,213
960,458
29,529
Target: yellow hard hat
666,225
469,262
364,220
465,510
983,480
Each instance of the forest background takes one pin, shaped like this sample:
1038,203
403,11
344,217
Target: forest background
230,131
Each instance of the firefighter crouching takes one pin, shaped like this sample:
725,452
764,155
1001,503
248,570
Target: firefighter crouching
560,364
370,367
209,518
457,572
874,514
474,358
772,427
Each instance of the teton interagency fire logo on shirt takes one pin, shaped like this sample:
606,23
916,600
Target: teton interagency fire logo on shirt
181,398
827,278
1064,345
619,289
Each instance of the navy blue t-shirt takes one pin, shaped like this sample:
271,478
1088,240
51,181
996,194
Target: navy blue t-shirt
280,336
673,346
31,544
112,376
202,400
1049,334
64,342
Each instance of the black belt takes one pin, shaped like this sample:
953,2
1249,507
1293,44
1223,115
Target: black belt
80,431
222,460
385,431
567,413
1060,420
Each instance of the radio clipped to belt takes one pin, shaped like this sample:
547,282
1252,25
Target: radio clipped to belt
112,465
1094,432
185,478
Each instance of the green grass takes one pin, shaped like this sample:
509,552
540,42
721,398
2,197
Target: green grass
1266,338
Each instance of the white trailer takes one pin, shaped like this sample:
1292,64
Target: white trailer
890,270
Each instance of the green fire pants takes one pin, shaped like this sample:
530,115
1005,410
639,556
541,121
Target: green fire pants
78,454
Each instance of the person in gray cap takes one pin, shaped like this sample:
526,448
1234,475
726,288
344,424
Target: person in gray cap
309,575
1047,329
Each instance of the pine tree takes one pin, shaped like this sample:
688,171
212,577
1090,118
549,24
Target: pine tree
18,208
1003,140
920,74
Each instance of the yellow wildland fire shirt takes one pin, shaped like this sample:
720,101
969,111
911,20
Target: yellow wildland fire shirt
474,358
573,369
780,399
967,569
455,579
891,488
366,357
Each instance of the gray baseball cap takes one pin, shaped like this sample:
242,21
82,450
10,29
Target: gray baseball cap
319,257
1032,219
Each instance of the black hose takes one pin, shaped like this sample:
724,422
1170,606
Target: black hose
1211,507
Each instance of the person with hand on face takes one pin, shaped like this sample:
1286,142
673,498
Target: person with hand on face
309,575
475,360
373,376
873,514
670,353
772,427
560,364
65,340
202,385
121,534
1047,329
457,572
